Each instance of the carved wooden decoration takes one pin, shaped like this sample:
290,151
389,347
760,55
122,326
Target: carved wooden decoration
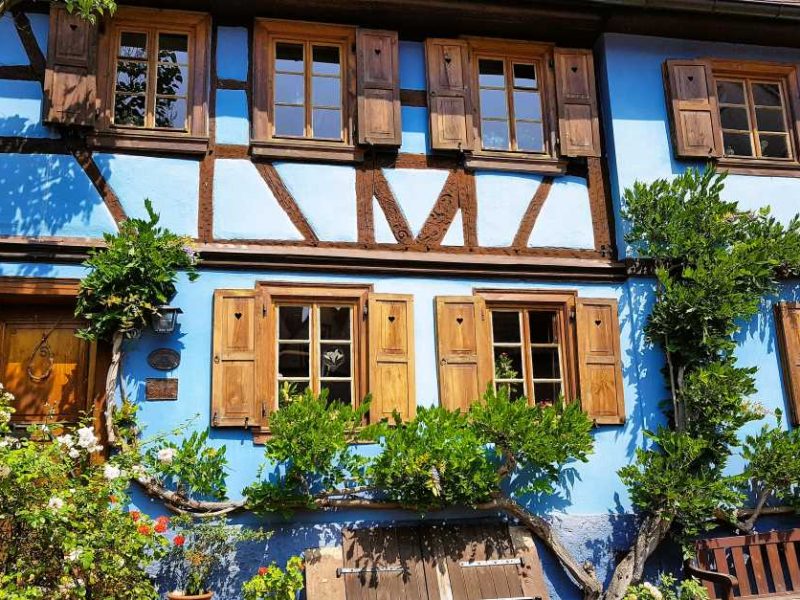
159,390
442,214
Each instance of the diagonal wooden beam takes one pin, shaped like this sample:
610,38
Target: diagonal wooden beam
285,199
391,209
86,161
364,215
29,43
600,203
442,214
468,201
531,214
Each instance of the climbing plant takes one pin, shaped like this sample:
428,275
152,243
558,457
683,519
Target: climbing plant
715,265
88,9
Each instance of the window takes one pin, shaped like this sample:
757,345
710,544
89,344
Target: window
153,81
510,103
754,118
304,89
528,351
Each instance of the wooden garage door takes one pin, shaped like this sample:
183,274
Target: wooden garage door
44,365
475,561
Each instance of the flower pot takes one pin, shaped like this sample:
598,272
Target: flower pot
180,596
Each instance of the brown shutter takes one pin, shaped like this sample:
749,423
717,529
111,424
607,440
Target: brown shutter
599,360
465,362
787,323
70,78
530,571
693,108
391,356
233,402
448,89
378,87
578,123
322,577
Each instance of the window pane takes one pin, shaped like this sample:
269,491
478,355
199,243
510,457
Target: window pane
172,80
770,119
730,92
543,327
495,135
491,73
289,57
293,360
528,105
326,60
326,91
171,113
734,118
494,104
767,94
545,363
524,76
290,120
546,393
131,76
133,45
505,326
334,322
288,389
289,89
327,124
173,47
293,322
774,146
515,390
129,110
338,391
508,363
335,360
530,136
737,144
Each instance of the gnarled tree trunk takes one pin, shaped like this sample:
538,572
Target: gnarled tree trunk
111,386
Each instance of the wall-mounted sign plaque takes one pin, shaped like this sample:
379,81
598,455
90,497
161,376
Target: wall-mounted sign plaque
161,389
164,359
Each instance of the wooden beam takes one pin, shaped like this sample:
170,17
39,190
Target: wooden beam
112,202
442,214
29,43
532,213
285,199
391,209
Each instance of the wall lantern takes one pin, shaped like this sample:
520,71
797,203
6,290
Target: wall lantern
165,319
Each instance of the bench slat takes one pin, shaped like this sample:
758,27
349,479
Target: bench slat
772,537
758,570
702,559
741,571
776,568
794,564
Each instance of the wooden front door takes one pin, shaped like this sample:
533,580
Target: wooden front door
44,365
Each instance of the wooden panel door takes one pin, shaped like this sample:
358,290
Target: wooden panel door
45,366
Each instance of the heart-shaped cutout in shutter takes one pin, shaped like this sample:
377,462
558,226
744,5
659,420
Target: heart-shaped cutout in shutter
598,322
238,315
459,320
391,318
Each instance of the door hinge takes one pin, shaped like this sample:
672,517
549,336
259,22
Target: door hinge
365,310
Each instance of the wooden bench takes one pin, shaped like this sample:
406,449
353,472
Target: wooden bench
763,565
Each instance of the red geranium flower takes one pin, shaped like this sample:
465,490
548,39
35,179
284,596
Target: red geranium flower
112,499
163,519
160,527
263,570
179,540
135,514
143,529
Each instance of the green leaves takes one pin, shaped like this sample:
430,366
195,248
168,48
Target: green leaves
773,457
91,9
274,583
192,468
132,276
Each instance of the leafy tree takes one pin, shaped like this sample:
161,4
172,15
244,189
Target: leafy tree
88,9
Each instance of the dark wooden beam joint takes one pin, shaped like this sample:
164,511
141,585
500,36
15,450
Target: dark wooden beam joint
29,43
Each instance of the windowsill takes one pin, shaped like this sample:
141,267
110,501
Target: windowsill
759,166
306,150
515,161
167,142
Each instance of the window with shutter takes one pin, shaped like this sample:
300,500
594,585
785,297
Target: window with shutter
578,121
153,81
787,322
378,88
449,96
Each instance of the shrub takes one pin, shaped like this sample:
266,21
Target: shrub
274,583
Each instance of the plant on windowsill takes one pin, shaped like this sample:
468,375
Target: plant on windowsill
128,280
201,545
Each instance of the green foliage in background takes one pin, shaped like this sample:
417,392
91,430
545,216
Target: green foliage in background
191,467
668,588
274,583
88,9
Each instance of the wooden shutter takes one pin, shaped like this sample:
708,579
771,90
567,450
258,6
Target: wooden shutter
233,402
787,323
391,356
322,573
599,360
448,90
378,87
383,563
70,78
465,361
693,109
578,123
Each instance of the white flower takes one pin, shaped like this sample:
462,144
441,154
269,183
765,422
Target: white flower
74,555
5,471
6,441
166,455
111,472
5,416
55,503
86,438
652,590
66,440
74,453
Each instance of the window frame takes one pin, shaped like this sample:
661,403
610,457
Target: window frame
561,303
264,142
748,72
510,52
271,295
194,139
